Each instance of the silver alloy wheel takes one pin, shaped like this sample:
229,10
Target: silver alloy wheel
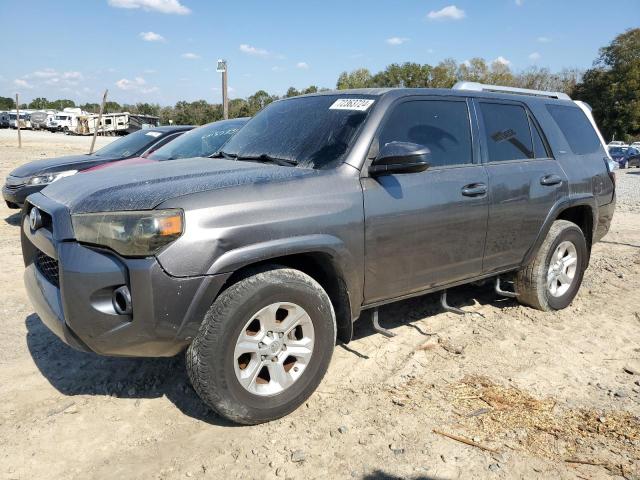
562,269
274,348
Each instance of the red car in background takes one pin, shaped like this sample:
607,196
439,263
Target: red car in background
203,141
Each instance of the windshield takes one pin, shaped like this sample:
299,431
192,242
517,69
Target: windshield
314,131
199,142
616,151
133,144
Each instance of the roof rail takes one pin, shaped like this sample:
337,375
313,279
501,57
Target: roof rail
481,87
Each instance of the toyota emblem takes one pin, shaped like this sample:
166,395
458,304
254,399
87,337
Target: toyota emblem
35,219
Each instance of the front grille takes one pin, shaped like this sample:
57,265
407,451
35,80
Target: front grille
13,183
48,267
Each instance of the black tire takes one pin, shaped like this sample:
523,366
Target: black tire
210,358
531,281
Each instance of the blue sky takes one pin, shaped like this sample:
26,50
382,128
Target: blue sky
165,50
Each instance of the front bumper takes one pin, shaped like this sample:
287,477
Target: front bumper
17,195
76,303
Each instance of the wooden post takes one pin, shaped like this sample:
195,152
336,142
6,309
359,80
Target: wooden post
225,95
95,132
18,121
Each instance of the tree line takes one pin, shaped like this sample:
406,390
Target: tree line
611,87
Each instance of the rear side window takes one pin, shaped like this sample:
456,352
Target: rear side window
507,132
576,128
538,144
440,125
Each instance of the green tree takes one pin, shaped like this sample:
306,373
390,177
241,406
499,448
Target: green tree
259,100
292,92
360,78
612,87
90,107
444,75
62,104
39,103
7,103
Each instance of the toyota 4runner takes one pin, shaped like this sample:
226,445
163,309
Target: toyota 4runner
322,206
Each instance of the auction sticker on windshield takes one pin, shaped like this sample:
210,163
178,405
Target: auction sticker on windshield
153,134
359,104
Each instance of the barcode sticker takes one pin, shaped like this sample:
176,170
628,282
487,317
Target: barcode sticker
153,134
358,104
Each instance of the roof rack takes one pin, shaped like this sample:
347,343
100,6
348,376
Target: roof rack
481,87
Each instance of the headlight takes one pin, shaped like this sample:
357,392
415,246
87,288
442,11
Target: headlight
131,234
48,178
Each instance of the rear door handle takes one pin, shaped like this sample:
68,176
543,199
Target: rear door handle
474,190
552,179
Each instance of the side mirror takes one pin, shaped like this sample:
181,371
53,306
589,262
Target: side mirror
400,157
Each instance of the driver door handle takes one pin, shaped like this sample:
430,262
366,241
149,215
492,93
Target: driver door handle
552,179
474,190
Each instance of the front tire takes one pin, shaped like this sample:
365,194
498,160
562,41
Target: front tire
264,345
552,279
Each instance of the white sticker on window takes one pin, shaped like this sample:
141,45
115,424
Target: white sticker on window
359,104
154,134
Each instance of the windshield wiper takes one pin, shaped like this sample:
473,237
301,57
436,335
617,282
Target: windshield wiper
221,154
284,162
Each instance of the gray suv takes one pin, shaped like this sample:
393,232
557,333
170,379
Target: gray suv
320,207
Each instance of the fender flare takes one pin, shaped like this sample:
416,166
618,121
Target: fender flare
343,262
574,201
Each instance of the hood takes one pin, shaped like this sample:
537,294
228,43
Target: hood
143,187
60,164
121,163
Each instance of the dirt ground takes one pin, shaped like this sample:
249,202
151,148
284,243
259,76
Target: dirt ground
539,395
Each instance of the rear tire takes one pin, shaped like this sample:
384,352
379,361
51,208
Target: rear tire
552,279
248,362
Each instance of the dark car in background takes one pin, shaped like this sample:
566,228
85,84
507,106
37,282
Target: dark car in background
203,141
34,176
625,157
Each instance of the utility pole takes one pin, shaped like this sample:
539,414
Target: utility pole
95,132
222,68
18,121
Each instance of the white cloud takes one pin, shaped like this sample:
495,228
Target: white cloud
544,39
190,56
162,6
519,3
535,56
277,69
250,50
302,65
151,37
397,40
44,73
450,12
502,60
138,84
19,82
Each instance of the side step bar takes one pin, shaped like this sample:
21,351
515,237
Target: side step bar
502,292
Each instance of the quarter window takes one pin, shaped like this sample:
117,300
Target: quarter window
507,132
576,128
440,125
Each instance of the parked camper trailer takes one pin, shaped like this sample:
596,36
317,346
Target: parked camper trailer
115,123
41,118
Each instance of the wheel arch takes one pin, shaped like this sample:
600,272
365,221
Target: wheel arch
580,210
324,258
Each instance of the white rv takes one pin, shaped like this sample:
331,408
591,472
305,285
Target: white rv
65,121
25,119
